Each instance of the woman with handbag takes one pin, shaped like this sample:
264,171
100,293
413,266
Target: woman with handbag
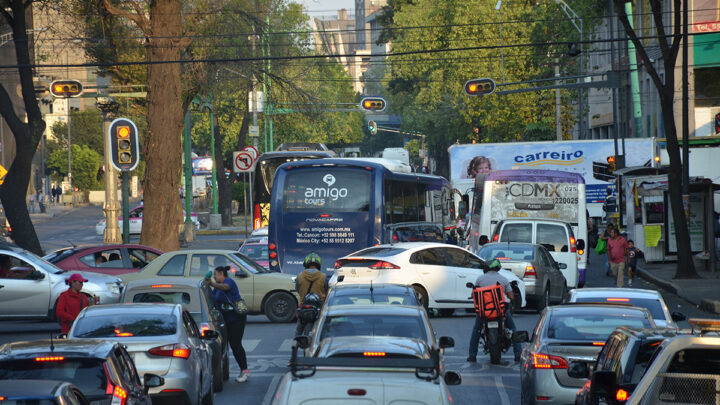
227,298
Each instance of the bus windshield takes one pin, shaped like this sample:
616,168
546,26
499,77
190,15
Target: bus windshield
317,189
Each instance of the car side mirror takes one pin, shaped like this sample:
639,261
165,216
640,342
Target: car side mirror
153,380
452,378
521,336
580,245
36,275
603,382
302,341
678,316
578,369
210,334
562,266
446,342
469,285
240,274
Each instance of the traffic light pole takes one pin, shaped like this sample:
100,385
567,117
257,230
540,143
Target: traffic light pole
125,207
109,108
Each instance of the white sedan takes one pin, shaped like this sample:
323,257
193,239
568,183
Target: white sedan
136,216
437,272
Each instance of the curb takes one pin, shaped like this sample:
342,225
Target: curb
664,284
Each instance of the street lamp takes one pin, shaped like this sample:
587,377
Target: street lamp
577,22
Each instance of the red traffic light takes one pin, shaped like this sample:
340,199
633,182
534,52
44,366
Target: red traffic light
479,87
373,104
611,163
66,88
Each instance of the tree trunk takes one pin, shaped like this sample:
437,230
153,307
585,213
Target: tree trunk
224,184
163,143
13,192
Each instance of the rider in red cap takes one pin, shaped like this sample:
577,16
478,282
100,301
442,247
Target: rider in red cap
71,302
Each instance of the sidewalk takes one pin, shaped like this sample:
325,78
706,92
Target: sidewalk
703,292
240,227
51,210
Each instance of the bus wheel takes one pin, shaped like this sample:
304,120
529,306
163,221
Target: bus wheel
280,307
421,295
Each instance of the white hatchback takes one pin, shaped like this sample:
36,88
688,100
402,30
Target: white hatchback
437,272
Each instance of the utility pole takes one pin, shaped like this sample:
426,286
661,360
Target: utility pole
70,188
558,115
109,108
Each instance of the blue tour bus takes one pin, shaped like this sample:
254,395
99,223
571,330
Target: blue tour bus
338,206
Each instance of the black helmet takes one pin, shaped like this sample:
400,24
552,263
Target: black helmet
312,259
312,299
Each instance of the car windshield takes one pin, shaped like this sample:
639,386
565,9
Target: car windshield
651,304
586,326
59,255
87,374
125,325
507,252
41,262
373,325
357,296
249,264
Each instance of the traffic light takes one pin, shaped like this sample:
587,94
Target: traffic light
124,147
480,87
372,127
66,88
373,103
611,164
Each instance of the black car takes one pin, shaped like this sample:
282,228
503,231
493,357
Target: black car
622,362
102,370
42,392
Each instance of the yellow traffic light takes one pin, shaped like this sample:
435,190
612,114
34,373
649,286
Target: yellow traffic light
611,163
66,88
123,132
125,147
373,104
479,87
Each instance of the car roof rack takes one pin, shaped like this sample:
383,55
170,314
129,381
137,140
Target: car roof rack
427,369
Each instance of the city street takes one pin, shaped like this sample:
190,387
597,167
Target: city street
268,345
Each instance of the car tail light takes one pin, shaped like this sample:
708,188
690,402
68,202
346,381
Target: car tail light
530,272
337,264
383,265
50,358
496,237
256,217
573,248
161,286
580,253
598,343
272,246
542,360
122,334
395,237
617,299
621,395
356,392
177,350
374,354
119,396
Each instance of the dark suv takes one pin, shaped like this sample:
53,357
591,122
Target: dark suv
621,364
102,370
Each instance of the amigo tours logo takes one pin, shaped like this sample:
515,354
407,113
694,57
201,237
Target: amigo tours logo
319,195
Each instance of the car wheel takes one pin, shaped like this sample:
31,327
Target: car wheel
280,307
218,376
563,293
421,296
208,398
226,367
543,301
52,317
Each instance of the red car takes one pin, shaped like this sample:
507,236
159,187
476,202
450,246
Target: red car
106,259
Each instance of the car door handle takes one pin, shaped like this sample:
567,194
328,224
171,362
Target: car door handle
462,276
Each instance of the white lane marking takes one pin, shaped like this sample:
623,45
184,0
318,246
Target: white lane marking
504,398
271,389
286,345
250,344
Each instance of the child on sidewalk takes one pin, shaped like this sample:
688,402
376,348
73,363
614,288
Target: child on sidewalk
633,254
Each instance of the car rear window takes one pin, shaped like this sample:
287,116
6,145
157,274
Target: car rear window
125,325
517,233
591,327
553,237
357,297
87,374
507,252
651,304
168,297
373,325
378,252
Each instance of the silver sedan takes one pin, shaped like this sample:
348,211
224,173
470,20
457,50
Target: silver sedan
162,339
30,285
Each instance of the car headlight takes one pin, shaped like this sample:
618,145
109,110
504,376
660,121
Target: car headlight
114,288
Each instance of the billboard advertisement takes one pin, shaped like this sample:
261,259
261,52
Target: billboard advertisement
586,158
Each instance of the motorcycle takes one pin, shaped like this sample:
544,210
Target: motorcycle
308,313
496,338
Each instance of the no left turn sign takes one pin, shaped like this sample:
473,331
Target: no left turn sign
243,162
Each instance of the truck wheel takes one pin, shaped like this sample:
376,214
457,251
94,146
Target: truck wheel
280,307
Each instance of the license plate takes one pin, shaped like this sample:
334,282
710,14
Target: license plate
492,324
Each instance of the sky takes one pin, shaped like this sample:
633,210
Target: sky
316,8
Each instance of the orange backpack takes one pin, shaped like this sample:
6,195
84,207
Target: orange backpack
489,302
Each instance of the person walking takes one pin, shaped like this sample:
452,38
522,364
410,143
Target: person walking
605,235
71,302
58,193
633,254
491,278
617,252
53,194
226,291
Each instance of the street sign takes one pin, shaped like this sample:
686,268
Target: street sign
3,172
259,99
243,162
251,150
254,130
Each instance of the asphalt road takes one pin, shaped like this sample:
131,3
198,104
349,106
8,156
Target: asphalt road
268,345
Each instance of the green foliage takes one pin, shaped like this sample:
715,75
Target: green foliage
85,166
238,191
86,128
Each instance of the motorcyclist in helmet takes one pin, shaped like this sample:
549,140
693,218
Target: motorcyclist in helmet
490,278
311,286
